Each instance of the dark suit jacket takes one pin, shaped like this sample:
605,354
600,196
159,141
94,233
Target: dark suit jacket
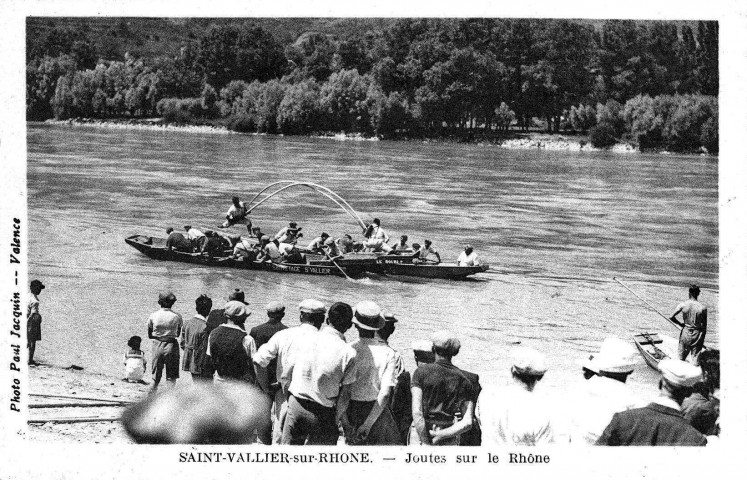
653,424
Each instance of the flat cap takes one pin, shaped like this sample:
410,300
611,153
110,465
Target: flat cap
528,361
368,315
312,306
236,310
275,307
680,373
446,342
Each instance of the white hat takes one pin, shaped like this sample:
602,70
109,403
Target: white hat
312,306
615,356
528,361
368,316
679,373
236,310
422,346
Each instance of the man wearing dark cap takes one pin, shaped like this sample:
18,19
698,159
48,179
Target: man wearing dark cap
320,371
661,422
368,419
694,325
164,327
193,338
285,345
261,335
288,235
401,399
230,348
33,319
442,397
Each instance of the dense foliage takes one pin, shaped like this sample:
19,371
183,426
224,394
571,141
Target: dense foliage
653,83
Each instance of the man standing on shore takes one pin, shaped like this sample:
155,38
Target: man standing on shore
694,324
193,337
368,419
661,422
261,335
284,346
33,319
230,348
401,399
320,371
164,327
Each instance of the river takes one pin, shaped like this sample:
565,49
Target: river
554,226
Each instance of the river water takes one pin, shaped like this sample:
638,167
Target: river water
554,226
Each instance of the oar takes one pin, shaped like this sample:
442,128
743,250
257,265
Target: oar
338,267
649,305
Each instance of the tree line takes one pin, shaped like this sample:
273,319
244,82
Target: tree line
653,83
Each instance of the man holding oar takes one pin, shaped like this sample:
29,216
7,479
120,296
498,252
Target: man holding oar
695,321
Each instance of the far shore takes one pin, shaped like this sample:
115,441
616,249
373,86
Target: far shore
519,141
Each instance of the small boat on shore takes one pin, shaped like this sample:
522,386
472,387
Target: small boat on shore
655,347
354,265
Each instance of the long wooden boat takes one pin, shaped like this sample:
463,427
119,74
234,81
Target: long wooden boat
155,248
354,265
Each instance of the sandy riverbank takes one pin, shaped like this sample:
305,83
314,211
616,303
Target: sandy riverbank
54,380
531,141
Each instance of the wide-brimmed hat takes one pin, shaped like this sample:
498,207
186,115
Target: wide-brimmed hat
37,284
615,356
680,373
528,361
236,311
312,306
368,316
237,295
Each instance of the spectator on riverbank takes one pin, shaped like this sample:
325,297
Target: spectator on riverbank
193,338
694,325
604,392
368,418
442,397
33,319
230,348
261,335
517,416
164,327
134,361
661,422
401,399
703,407
324,366
284,346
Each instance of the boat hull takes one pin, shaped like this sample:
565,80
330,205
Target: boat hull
354,265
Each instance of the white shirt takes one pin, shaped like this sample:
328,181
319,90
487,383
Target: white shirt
598,399
470,260
284,346
234,212
134,366
165,323
33,305
376,365
425,252
379,234
194,234
322,367
516,417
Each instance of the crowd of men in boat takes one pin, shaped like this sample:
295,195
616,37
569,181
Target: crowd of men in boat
320,388
256,246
